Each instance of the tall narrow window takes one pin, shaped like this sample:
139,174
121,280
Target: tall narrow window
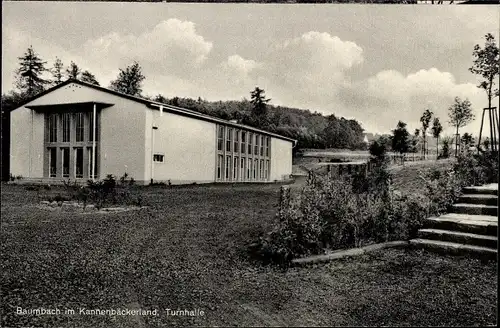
220,138
242,169
256,147
255,164
250,139
219,166
91,126
228,167
66,127
266,170
236,141
262,139
52,162
235,168
228,138
267,146
52,127
79,127
65,162
249,169
261,169
79,163
243,142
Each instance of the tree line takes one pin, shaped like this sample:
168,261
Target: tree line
310,129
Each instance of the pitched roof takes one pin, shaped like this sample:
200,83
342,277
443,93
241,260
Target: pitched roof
152,104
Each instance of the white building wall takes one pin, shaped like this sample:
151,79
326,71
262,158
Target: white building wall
26,143
188,146
122,140
122,136
281,159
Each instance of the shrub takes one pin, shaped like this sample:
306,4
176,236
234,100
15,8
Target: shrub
488,161
442,190
408,213
358,210
326,214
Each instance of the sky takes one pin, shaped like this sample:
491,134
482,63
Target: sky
377,64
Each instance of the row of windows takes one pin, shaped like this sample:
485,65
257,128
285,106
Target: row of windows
59,162
67,122
242,169
240,141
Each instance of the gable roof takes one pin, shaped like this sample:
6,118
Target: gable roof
155,104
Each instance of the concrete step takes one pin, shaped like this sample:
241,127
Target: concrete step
479,199
475,209
489,189
459,237
476,224
446,247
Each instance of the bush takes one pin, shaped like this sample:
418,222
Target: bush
442,190
407,215
329,214
358,210
488,161
103,192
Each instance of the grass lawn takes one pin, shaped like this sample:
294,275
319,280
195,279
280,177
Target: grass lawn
186,252
406,177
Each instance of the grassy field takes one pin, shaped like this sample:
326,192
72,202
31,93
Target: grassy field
186,251
406,177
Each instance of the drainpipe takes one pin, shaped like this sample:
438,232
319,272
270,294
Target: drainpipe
152,151
93,142
31,145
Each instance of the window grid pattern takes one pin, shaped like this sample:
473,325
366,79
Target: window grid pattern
68,144
66,127
241,155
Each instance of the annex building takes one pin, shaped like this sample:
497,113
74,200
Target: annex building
80,131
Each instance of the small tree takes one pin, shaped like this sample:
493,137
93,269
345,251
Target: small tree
73,71
29,80
467,140
460,114
401,139
425,119
89,78
129,80
437,128
378,149
446,143
486,65
415,140
57,71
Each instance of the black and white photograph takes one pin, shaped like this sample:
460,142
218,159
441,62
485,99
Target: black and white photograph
293,164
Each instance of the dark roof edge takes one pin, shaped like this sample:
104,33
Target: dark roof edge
97,87
191,113
149,104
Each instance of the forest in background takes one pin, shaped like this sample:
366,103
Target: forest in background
310,129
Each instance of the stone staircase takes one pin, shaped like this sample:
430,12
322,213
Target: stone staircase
470,228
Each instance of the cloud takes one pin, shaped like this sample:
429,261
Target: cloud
171,47
390,96
312,63
315,70
171,50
